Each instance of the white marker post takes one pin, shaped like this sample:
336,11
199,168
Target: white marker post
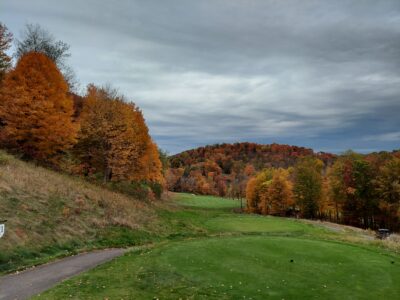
2,229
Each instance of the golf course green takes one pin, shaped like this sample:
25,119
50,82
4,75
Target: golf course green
240,256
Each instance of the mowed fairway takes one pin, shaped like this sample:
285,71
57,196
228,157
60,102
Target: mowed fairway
206,202
242,257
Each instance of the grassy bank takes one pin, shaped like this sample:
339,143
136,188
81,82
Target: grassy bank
51,215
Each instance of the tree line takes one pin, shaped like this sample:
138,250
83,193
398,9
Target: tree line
358,190
100,135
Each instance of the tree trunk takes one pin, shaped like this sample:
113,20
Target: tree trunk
107,174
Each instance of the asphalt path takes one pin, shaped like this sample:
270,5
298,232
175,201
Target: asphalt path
23,285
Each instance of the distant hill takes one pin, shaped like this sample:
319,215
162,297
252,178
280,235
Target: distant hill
223,169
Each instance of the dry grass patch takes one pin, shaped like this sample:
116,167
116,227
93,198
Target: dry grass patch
45,208
358,235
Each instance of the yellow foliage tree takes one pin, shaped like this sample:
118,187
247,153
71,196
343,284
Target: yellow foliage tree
251,195
151,166
280,194
257,192
270,192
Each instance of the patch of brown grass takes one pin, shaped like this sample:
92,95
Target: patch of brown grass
44,207
356,235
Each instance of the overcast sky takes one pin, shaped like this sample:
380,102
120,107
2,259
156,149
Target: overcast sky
320,74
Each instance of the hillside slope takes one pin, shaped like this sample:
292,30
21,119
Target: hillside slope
50,214
223,169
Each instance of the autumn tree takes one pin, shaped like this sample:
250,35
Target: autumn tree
151,167
220,186
35,109
37,39
257,192
5,44
308,185
364,193
252,198
352,180
328,208
103,134
264,180
269,192
249,170
336,188
114,139
173,177
280,194
388,189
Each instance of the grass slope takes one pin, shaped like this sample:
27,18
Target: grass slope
50,215
216,254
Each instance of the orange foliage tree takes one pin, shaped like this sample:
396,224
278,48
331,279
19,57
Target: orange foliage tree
114,139
280,193
35,110
257,191
251,195
151,166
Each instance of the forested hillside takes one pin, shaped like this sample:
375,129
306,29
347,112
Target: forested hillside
224,169
351,188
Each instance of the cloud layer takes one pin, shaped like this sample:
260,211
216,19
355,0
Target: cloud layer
323,74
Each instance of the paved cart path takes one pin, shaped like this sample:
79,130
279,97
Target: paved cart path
25,284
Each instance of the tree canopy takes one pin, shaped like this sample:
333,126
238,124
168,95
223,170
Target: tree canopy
35,109
37,39
114,139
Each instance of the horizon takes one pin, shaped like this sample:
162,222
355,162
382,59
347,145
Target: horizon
263,144
318,75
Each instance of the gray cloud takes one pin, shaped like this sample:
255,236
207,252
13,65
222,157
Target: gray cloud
323,74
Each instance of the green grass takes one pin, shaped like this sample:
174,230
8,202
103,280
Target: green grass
254,267
205,251
207,202
257,224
